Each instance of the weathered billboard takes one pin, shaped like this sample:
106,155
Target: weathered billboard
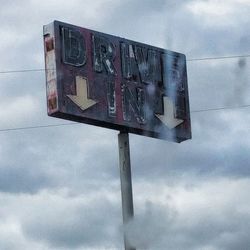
112,82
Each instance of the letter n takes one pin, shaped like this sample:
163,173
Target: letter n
133,101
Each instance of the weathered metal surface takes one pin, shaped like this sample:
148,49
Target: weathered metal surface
126,185
116,83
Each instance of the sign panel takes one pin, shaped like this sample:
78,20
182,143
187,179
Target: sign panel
108,81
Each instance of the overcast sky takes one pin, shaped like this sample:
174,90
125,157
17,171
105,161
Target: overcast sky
60,186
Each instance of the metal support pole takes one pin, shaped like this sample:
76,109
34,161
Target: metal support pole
126,184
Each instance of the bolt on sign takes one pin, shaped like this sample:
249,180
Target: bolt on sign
112,82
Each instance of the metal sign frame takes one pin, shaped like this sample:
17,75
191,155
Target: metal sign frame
112,82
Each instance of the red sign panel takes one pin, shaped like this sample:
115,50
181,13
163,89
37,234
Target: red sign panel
116,83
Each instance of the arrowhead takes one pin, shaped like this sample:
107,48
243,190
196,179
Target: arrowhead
169,110
81,97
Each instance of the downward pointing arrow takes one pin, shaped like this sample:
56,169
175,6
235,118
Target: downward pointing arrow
169,110
81,97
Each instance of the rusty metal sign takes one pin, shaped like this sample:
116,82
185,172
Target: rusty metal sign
112,82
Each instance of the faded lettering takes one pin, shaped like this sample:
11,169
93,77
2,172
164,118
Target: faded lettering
149,64
104,54
133,103
175,74
111,98
129,64
73,47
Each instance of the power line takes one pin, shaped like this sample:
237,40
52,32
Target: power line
221,108
65,124
37,127
189,60
75,123
23,71
218,58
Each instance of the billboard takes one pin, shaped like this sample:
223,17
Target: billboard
112,82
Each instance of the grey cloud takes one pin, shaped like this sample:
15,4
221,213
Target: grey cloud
55,220
149,228
32,160
163,227
243,43
22,167
210,88
213,152
241,83
217,231
89,225
23,180
142,8
218,221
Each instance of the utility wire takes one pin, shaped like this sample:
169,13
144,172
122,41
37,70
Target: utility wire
23,71
188,60
38,127
75,123
221,108
66,124
217,58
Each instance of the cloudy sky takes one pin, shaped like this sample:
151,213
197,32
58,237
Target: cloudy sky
60,186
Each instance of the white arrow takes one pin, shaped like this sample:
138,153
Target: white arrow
81,98
169,110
